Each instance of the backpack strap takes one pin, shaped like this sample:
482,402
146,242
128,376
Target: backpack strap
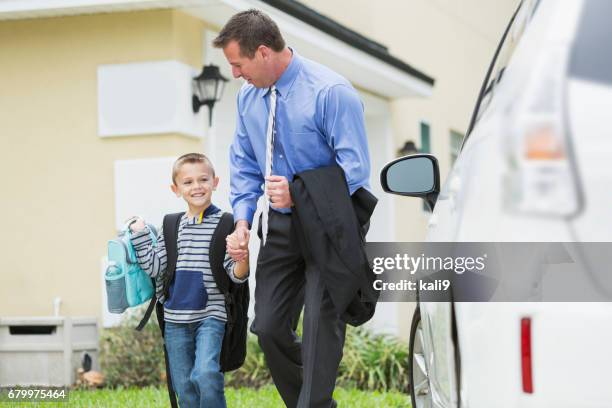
170,226
148,313
217,253
159,311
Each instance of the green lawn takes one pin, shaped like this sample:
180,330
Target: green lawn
265,397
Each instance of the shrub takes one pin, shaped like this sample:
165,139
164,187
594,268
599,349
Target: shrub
254,373
130,358
373,361
370,362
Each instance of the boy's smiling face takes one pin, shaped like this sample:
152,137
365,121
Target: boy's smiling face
195,182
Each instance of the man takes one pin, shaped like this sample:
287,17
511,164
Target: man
293,115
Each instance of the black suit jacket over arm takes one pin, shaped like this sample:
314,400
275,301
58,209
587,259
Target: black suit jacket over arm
331,227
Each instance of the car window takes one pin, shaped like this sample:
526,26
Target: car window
591,55
505,49
523,16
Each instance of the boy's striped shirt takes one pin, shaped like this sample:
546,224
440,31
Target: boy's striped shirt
193,278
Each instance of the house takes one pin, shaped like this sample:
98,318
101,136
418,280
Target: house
95,103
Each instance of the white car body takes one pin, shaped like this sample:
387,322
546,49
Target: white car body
571,343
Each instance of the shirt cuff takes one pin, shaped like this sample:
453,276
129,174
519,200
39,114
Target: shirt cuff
234,278
244,212
141,238
353,188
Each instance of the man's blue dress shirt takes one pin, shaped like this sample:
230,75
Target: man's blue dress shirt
319,122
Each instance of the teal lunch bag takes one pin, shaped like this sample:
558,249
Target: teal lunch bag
127,285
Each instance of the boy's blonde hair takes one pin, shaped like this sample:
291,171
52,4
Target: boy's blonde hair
191,158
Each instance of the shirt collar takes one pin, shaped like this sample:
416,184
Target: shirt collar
210,210
286,80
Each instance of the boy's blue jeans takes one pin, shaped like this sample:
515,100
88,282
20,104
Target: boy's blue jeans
194,350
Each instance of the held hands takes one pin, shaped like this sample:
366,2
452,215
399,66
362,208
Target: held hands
277,189
237,243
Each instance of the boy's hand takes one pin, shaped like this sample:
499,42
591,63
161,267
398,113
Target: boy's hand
234,242
238,242
277,188
136,224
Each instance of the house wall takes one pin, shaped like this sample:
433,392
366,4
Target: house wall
57,206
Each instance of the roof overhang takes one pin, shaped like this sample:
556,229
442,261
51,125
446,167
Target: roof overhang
374,69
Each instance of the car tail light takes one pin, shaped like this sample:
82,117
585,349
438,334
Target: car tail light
526,368
540,174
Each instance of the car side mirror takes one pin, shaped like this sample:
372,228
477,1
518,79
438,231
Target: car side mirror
416,175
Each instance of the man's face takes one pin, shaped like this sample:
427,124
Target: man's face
256,71
195,183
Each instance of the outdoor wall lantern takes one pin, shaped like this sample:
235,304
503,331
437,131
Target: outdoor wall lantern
208,89
408,148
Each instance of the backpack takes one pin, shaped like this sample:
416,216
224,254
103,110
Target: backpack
233,350
127,285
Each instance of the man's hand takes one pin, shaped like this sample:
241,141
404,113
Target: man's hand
277,189
237,243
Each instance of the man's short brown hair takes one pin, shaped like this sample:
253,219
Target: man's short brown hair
191,158
250,29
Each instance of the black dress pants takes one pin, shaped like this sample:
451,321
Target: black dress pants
304,372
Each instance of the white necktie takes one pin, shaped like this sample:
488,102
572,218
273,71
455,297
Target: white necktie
269,152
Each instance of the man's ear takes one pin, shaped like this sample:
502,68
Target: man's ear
264,51
174,189
215,182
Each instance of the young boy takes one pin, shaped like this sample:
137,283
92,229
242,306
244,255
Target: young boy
194,311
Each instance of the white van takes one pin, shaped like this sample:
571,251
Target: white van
535,166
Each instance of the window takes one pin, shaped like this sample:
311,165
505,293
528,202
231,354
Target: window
425,138
589,60
510,39
456,139
141,187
